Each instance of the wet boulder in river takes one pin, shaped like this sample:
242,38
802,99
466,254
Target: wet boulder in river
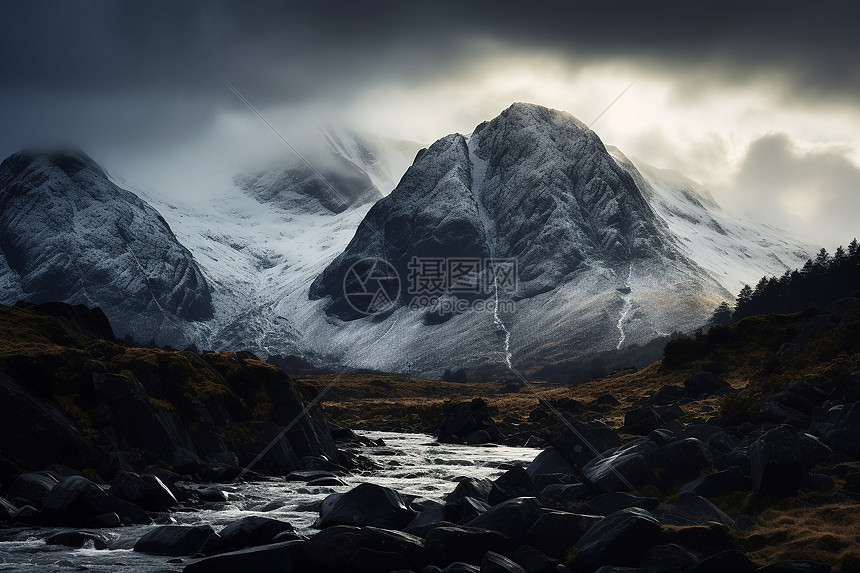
366,504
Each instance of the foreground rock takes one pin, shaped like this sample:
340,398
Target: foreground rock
468,423
246,532
620,539
77,501
782,458
174,540
346,548
285,557
366,504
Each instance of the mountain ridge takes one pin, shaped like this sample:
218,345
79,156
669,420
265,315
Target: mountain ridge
261,258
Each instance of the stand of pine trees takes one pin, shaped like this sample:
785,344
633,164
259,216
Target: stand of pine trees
818,284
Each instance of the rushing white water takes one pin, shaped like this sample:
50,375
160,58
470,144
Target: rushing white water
413,464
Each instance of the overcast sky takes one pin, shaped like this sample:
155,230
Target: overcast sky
759,101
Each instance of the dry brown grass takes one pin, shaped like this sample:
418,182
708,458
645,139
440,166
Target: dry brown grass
363,401
825,533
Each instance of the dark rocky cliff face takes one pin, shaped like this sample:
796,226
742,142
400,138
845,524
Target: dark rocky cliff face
67,233
71,394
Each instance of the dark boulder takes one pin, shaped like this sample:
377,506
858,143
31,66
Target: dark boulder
705,383
146,491
533,560
515,482
34,487
76,500
495,563
477,488
555,533
715,437
781,458
366,504
774,412
78,539
619,539
431,516
463,419
448,544
365,549
607,400
284,557
541,481
478,437
512,518
642,420
624,468
309,475
689,510
246,532
549,462
333,547
718,483
468,508
174,540
800,397
844,433
680,461
665,396
562,496
580,442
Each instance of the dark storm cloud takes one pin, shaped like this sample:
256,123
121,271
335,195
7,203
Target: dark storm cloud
149,69
291,50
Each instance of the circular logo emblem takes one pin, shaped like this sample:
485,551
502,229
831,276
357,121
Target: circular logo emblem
371,286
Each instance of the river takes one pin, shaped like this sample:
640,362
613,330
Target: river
412,464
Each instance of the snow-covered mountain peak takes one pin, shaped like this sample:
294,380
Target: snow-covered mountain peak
596,267
68,233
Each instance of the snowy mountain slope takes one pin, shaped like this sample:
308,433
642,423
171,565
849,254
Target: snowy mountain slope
68,233
734,250
255,255
597,267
